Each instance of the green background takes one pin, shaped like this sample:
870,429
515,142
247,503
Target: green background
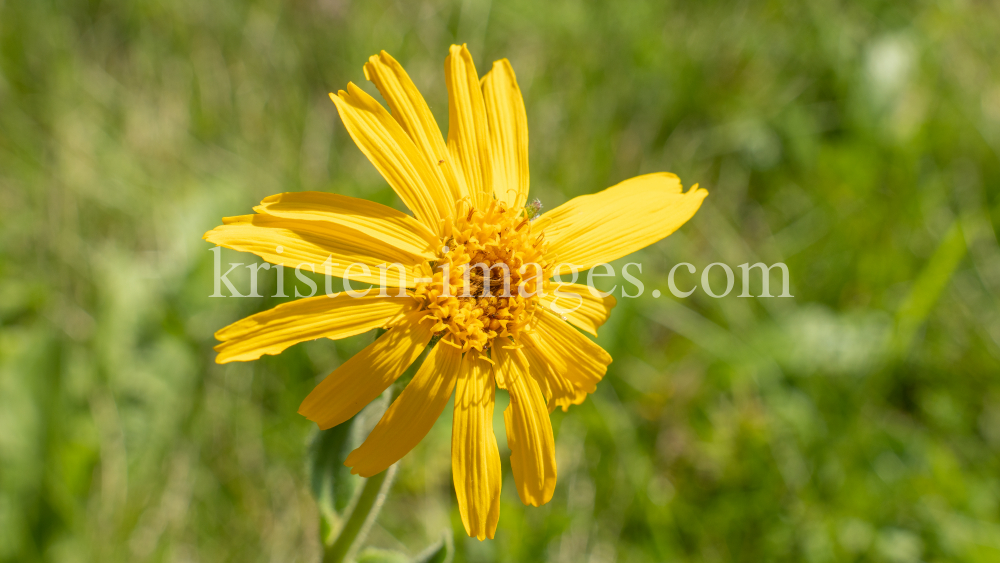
857,142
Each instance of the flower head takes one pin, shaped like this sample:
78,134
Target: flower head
473,268
492,266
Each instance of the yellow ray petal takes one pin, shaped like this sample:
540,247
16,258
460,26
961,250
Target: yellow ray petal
369,372
475,458
601,227
311,243
529,430
508,134
578,304
415,117
373,219
549,370
393,153
271,331
468,128
571,357
411,415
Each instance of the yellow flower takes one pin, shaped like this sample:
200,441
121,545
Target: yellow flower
468,197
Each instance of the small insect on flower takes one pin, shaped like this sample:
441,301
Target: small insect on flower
475,277
532,209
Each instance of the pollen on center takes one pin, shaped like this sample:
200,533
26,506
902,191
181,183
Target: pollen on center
494,266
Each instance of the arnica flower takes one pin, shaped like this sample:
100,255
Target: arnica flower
469,198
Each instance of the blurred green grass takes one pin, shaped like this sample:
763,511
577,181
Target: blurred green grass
856,142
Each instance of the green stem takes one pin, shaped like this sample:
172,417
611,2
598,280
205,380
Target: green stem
365,510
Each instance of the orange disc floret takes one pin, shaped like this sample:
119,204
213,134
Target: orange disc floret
495,265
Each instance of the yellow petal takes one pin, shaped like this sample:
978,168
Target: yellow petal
271,331
601,227
475,459
311,243
578,303
411,415
362,378
548,371
415,117
393,153
529,430
373,219
566,357
468,128
508,134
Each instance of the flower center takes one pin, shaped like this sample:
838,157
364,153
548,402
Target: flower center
488,276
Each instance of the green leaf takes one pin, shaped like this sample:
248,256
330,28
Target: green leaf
373,555
364,510
349,504
331,481
441,551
